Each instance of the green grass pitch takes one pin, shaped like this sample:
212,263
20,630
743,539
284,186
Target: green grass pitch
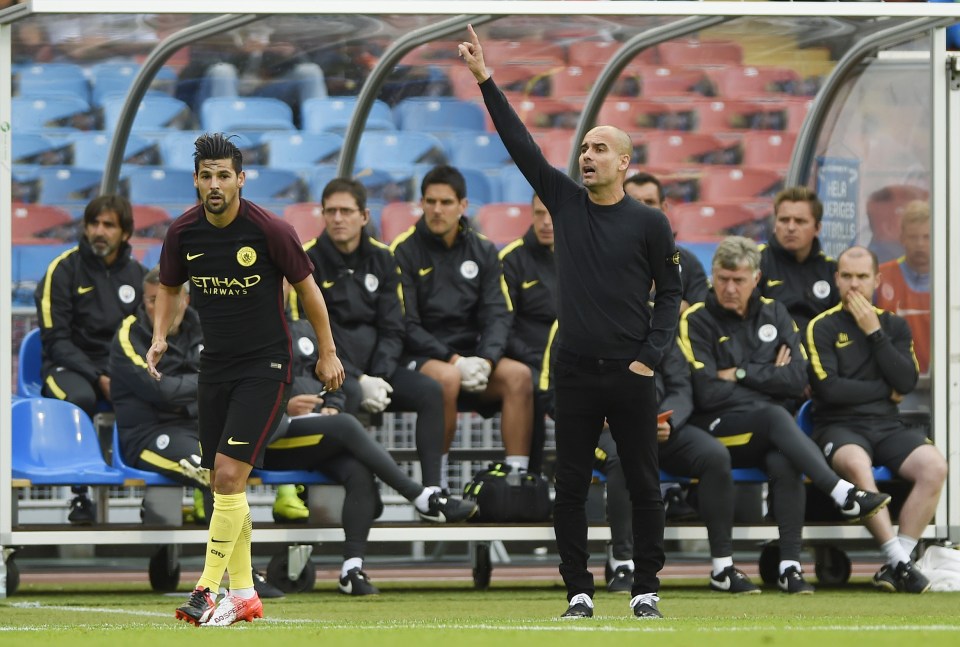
130,615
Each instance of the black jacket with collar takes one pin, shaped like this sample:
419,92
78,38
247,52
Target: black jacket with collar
364,304
80,304
531,277
806,288
714,338
455,298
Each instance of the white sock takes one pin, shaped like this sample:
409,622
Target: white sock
908,543
787,563
444,464
518,463
244,594
840,491
422,502
720,563
894,552
617,563
350,564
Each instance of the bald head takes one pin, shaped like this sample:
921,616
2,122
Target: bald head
857,253
604,159
619,139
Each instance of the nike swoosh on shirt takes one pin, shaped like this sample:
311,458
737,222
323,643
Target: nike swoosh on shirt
191,257
772,283
843,344
425,270
83,290
327,284
231,441
526,285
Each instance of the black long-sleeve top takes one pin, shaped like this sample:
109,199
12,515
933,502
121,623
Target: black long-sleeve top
531,277
80,304
142,403
455,299
362,294
714,338
607,256
806,288
852,375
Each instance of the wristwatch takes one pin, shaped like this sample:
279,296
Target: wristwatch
740,374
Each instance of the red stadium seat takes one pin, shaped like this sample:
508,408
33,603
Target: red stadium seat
699,52
659,81
33,220
150,221
396,218
748,81
726,184
768,149
699,220
556,145
544,113
721,115
503,222
306,218
524,51
633,114
698,148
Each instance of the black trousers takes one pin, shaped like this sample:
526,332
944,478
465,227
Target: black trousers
588,392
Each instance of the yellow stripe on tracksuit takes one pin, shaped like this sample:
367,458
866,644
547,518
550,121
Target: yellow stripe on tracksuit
155,459
46,315
815,363
684,338
545,368
735,441
295,442
127,345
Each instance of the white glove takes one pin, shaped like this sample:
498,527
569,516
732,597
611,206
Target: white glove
474,373
376,392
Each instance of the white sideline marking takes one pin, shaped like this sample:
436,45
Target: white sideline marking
648,626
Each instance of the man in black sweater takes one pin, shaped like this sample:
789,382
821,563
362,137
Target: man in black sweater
609,250
861,365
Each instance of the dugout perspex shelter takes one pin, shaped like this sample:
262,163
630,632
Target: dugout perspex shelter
865,96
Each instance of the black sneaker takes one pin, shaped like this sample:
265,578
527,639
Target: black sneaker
581,606
82,511
732,580
356,582
645,606
862,505
198,608
905,578
676,507
264,588
792,582
445,509
620,580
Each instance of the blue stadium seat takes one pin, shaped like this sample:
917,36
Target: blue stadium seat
29,362
273,185
90,149
160,186
112,78
56,444
476,150
333,114
36,112
68,187
156,112
227,114
513,186
301,150
53,79
133,473
703,251
398,150
437,114
282,477
28,265
177,147
36,148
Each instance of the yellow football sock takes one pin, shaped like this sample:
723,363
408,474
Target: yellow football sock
226,526
240,566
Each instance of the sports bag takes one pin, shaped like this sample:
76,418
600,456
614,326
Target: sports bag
503,495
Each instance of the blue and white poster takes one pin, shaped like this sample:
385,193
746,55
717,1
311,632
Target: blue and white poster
838,186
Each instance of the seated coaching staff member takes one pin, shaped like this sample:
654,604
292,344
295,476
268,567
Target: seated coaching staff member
861,365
